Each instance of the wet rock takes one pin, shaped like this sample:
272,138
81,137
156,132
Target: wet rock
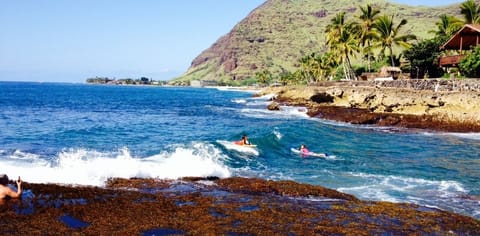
322,98
232,206
274,106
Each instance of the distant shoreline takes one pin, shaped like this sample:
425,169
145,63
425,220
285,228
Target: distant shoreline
407,106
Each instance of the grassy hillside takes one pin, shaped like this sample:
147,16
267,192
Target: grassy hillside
280,32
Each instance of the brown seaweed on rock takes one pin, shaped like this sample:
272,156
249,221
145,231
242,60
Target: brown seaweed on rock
283,188
212,206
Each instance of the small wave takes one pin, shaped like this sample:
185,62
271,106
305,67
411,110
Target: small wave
336,123
20,155
409,182
285,112
262,103
393,188
471,136
277,133
266,97
235,89
239,101
294,111
90,167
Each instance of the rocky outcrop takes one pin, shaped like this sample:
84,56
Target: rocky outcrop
430,104
274,106
213,206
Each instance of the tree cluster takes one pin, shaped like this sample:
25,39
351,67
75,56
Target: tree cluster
378,40
127,81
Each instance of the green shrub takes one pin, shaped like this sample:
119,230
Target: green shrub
470,64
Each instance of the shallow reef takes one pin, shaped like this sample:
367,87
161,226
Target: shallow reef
213,206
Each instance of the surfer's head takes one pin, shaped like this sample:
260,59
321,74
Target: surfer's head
3,179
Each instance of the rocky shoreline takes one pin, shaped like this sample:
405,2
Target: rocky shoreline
423,104
213,206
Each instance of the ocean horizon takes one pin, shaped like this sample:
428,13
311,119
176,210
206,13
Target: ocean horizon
84,134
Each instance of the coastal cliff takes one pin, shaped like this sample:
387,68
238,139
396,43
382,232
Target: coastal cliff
443,105
277,34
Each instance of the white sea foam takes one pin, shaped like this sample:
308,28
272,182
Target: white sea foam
239,101
90,167
257,103
473,136
277,133
336,123
370,192
389,187
294,111
285,112
19,155
266,97
235,89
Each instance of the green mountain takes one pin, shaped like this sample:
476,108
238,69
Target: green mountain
278,33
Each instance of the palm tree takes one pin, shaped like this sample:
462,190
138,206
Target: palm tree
447,26
471,12
342,40
389,36
264,77
308,67
335,27
316,68
328,64
367,19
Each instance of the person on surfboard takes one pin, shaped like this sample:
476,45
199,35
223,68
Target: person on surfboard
243,141
304,152
303,149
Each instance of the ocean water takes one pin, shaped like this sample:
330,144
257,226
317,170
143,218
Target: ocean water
84,134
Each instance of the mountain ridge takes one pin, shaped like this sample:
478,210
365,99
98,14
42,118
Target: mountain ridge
276,34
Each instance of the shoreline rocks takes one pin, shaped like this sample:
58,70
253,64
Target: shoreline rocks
377,104
213,206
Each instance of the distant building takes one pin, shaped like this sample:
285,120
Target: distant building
195,83
209,83
466,38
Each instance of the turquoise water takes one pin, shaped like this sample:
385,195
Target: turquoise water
85,134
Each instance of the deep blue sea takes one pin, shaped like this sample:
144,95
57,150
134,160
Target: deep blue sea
85,134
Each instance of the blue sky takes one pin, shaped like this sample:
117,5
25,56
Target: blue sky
69,41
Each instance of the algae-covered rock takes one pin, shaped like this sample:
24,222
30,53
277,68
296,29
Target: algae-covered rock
212,206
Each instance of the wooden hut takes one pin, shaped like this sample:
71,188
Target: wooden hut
466,38
390,71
